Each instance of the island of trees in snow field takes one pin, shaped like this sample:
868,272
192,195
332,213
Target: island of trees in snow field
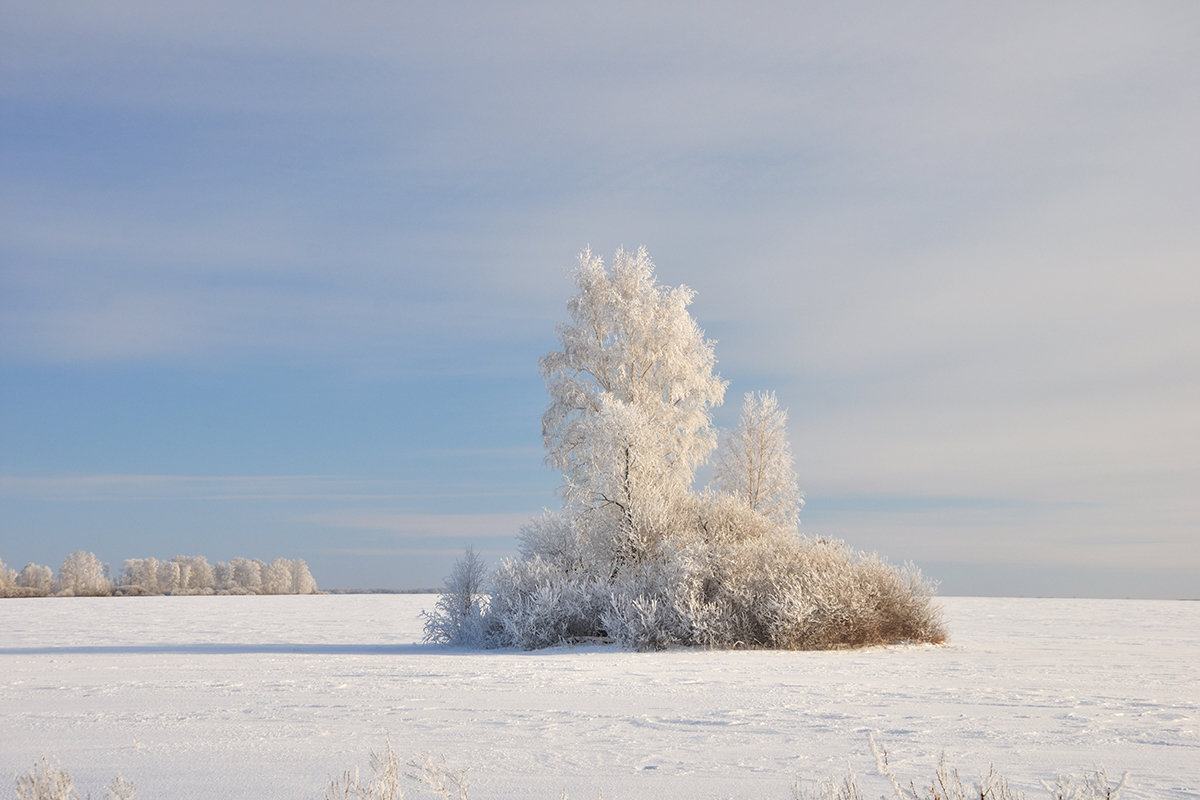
637,555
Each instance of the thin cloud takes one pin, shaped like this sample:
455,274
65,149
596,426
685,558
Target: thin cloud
437,526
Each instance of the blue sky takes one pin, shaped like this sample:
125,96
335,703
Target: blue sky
274,280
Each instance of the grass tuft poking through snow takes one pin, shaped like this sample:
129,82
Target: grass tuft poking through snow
432,776
435,777
46,781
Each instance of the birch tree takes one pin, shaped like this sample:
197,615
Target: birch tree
8,581
302,579
37,580
82,575
754,462
631,392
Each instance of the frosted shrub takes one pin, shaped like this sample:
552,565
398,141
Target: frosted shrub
46,781
644,611
458,617
537,604
777,590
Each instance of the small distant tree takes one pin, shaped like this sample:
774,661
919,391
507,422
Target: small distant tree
35,580
246,575
200,578
754,462
82,575
140,576
277,577
170,577
185,574
8,581
302,579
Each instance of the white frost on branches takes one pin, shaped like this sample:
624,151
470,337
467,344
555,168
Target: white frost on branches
754,462
631,392
83,575
635,555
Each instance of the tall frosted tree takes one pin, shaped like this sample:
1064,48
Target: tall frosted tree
754,461
631,392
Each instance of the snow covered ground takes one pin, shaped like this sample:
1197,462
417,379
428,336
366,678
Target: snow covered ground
268,697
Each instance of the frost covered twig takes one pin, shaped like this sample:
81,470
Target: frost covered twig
1095,786
46,781
120,789
384,783
438,777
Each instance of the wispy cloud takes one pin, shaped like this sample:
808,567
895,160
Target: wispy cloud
80,488
424,526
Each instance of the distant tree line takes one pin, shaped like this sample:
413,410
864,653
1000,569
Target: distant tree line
83,575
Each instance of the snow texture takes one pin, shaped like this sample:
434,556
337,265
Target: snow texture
269,697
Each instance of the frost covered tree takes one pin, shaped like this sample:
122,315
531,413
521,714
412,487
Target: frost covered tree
277,577
631,393
754,461
140,576
8,581
35,580
180,575
302,580
246,575
82,575
195,575
170,578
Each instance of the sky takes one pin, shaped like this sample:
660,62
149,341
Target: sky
275,277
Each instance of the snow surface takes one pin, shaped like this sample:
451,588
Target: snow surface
269,697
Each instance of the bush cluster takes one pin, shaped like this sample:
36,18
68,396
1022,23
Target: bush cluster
724,576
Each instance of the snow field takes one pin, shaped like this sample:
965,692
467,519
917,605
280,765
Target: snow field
269,697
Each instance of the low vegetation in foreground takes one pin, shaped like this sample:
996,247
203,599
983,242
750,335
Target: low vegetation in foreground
389,779
636,555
